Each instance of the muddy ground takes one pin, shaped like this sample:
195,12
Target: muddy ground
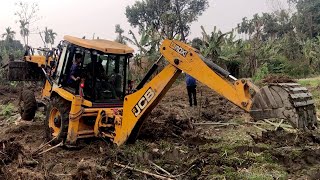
175,137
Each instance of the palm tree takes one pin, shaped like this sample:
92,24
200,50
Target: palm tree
52,36
46,36
9,34
24,31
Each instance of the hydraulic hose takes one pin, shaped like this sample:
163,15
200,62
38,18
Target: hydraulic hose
217,68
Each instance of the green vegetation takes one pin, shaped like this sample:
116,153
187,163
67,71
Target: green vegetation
280,42
7,110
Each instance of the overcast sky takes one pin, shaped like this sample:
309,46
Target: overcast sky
85,17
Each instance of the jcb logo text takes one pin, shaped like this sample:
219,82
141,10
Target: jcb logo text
178,49
143,102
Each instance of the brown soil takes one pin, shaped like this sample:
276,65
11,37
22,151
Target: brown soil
168,139
8,94
280,138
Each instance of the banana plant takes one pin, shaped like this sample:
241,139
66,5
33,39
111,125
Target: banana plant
212,43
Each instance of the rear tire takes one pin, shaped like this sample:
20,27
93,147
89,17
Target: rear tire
29,107
57,120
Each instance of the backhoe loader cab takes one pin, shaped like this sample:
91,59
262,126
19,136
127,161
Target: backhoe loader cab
103,73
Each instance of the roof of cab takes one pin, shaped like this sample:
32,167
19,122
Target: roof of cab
102,45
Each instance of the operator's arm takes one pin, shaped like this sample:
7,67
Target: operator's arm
74,72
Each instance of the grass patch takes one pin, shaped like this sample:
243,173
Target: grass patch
7,110
310,82
263,171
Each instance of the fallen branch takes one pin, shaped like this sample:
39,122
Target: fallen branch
183,173
259,128
279,125
58,145
285,127
119,174
43,145
141,171
62,174
255,123
160,168
216,123
31,163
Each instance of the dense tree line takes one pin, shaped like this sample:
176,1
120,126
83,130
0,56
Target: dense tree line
286,42
283,41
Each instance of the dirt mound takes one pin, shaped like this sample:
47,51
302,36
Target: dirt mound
90,170
172,127
297,152
280,138
8,94
9,89
278,79
9,151
173,116
28,174
5,174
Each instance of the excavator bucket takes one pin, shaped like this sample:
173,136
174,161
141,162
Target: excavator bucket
289,101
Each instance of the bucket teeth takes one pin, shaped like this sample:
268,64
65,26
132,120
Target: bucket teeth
287,101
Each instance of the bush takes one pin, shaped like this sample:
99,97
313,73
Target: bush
298,69
7,110
261,73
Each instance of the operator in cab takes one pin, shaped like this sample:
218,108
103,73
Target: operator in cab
116,81
95,68
74,75
98,80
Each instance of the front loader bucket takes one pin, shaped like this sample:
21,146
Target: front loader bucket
24,71
288,101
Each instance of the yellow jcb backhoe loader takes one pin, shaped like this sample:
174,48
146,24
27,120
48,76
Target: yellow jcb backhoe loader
103,104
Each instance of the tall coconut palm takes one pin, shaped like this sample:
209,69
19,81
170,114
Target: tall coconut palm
46,36
24,31
9,34
52,36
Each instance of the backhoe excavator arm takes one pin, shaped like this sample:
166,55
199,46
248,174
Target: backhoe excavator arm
271,102
186,59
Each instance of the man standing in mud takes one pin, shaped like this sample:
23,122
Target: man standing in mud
192,89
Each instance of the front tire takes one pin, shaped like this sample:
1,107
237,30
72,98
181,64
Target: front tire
57,120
